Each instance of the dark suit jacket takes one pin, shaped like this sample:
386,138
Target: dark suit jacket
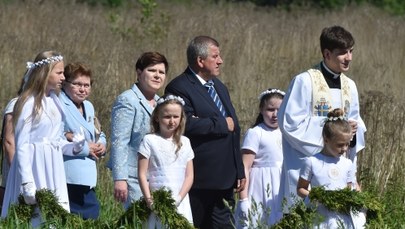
218,161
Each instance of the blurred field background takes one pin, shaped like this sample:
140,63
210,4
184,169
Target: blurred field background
261,48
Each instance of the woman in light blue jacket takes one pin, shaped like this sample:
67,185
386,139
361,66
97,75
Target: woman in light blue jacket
81,170
130,122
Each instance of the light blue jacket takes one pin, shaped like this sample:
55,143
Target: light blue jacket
130,118
80,169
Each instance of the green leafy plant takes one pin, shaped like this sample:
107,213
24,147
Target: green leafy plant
346,200
299,216
163,206
52,214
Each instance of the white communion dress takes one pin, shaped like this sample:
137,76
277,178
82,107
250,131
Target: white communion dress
265,174
333,173
167,169
38,158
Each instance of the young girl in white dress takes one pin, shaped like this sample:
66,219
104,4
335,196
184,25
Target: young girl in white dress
330,168
165,157
39,139
263,158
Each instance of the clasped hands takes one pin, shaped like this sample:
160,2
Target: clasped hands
96,150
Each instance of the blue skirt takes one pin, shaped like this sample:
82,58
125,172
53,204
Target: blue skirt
83,201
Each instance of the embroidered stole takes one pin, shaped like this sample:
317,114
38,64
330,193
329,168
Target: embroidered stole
321,96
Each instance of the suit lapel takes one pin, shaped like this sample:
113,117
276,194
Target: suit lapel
86,123
142,100
200,89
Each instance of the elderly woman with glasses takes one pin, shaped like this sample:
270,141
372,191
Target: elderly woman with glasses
80,169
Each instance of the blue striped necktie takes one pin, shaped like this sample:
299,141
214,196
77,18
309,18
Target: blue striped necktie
215,97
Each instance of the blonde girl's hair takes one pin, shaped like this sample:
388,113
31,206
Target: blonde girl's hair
36,81
154,121
335,123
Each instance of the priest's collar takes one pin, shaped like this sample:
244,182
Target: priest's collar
331,78
329,72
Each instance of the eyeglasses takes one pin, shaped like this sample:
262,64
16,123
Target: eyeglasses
79,85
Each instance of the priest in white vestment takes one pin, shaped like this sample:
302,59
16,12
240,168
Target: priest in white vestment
310,96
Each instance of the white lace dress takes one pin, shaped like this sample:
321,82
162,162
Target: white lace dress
166,169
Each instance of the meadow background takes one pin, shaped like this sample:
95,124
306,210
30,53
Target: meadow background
261,48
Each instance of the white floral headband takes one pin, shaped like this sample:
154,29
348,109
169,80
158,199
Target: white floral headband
333,119
170,97
270,92
48,60
32,65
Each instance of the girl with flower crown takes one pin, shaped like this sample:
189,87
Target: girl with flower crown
39,139
165,157
330,168
262,157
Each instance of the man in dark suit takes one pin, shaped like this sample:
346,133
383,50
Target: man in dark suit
214,133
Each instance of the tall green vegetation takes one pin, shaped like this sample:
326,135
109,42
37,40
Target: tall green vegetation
261,48
394,6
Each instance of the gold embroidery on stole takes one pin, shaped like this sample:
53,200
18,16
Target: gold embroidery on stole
321,96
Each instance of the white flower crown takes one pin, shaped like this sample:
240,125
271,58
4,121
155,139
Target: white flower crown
331,119
48,60
271,91
170,97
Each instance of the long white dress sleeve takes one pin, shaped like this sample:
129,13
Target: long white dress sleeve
167,169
